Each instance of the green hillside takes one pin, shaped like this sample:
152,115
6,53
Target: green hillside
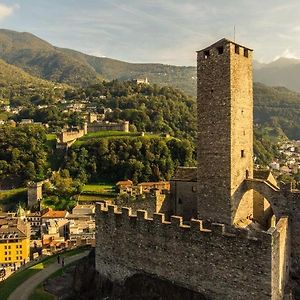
40,58
14,82
278,108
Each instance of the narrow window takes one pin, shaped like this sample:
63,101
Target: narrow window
179,201
247,174
237,49
220,50
245,52
242,153
206,54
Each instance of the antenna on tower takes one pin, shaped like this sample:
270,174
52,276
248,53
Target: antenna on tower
234,33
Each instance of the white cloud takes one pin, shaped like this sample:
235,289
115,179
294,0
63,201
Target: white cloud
6,11
287,53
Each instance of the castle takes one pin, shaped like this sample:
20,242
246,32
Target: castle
228,235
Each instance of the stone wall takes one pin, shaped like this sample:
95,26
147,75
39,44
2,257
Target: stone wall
98,126
34,193
225,104
153,202
68,136
183,195
217,261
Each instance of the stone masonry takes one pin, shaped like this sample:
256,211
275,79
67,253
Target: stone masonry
225,128
218,261
245,242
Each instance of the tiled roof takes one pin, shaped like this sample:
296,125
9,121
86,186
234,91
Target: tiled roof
55,214
153,183
124,182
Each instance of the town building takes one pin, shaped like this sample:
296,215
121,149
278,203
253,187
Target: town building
82,225
14,240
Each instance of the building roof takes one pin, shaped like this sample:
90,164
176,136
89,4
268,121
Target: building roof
153,183
261,174
124,182
54,214
222,42
13,227
34,214
84,206
185,174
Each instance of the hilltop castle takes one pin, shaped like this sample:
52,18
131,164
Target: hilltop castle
243,239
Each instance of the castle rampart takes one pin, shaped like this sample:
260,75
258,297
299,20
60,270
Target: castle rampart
98,126
68,136
219,261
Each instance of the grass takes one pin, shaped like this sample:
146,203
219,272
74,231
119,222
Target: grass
91,198
51,137
94,136
108,133
40,294
9,285
11,198
97,192
99,188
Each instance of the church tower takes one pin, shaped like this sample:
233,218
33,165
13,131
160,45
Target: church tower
225,128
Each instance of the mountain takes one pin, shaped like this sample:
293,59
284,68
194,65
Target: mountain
16,82
278,108
39,58
281,72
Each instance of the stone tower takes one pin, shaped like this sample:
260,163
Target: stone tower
225,129
34,193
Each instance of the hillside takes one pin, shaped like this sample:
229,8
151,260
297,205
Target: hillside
277,107
16,82
39,58
282,72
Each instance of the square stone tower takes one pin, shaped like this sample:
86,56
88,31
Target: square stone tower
225,128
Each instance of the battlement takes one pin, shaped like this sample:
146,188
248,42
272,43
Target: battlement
113,216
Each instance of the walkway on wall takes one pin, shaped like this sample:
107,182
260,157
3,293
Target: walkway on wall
271,192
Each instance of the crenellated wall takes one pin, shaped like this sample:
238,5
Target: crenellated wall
219,261
98,126
68,136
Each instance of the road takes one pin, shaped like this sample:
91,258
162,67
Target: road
23,291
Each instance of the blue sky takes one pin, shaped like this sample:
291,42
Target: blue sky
165,31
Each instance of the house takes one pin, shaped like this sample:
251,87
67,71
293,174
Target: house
14,240
124,186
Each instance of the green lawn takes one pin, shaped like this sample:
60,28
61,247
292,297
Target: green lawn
40,294
91,198
98,134
97,192
9,285
51,137
94,136
99,188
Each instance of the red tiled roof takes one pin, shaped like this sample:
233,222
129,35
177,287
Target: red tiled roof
55,214
124,182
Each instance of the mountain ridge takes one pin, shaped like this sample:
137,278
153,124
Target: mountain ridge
41,59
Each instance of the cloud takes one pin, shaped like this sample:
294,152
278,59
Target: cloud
287,53
6,11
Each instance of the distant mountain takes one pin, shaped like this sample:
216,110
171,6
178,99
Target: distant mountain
11,76
278,108
281,72
40,58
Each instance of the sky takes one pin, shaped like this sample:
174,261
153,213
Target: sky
161,31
